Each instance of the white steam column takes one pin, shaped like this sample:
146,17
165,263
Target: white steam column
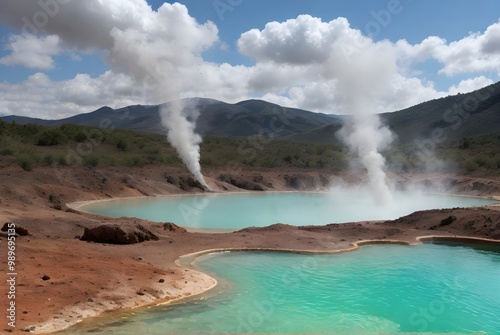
182,136
366,74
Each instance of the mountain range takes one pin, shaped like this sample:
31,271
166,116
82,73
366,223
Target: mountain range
458,116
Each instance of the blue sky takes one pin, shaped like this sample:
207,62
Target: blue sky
419,19
414,21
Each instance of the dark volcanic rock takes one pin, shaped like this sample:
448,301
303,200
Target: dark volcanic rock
171,180
243,184
118,234
261,180
301,182
170,226
19,230
57,203
448,220
189,183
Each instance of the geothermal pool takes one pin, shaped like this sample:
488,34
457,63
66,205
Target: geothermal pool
236,211
382,289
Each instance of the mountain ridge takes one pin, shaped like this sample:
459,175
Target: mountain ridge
459,116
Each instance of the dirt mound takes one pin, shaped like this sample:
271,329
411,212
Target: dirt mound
274,227
170,226
476,222
118,234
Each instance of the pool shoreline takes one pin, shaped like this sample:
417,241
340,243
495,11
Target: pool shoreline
463,240
80,206
201,291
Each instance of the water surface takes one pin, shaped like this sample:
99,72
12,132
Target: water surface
382,289
236,211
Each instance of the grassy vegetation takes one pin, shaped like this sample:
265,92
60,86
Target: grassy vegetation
270,153
478,155
34,145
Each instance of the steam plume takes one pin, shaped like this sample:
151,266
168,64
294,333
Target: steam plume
182,136
360,83
155,55
365,136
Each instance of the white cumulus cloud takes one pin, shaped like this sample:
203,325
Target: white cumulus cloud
475,53
469,85
38,96
157,55
31,51
303,40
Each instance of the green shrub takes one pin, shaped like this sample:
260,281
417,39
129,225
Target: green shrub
140,144
133,160
61,160
91,160
48,159
464,143
32,128
25,162
74,132
6,152
50,137
152,151
80,137
482,160
206,161
471,166
122,145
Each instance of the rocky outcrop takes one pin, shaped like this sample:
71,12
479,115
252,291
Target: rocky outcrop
20,231
172,227
185,183
241,183
305,182
118,234
57,203
473,222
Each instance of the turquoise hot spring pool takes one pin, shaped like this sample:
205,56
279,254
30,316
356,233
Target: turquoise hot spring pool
375,290
241,210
